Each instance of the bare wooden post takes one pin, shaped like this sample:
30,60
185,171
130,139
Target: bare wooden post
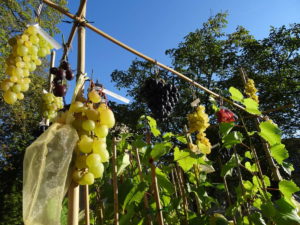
146,203
115,182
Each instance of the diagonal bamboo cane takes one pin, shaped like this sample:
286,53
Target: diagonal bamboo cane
128,48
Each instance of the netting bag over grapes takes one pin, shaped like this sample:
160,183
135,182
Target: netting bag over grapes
45,174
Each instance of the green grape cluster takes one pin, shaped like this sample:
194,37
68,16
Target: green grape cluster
51,104
92,124
26,50
198,121
250,90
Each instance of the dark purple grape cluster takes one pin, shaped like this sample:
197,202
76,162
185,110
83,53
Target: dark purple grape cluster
62,73
161,97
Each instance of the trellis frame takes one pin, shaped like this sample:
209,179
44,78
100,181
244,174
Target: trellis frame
79,26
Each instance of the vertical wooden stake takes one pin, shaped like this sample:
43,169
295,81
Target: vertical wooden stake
73,204
81,70
86,204
52,63
160,217
184,198
146,203
174,182
115,182
227,190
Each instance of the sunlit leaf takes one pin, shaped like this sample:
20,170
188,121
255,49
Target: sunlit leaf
124,163
270,132
184,160
251,106
236,95
288,188
153,126
279,153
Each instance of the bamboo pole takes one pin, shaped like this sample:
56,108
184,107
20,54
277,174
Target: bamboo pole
185,202
79,13
128,48
174,183
227,190
160,217
52,63
155,188
86,204
146,203
115,182
81,70
275,171
73,204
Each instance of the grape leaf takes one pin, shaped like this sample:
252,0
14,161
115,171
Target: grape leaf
286,214
279,153
232,139
184,159
153,126
164,181
236,95
287,188
181,138
228,167
136,194
248,155
160,149
251,106
251,168
225,128
270,132
256,218
124,163
167,136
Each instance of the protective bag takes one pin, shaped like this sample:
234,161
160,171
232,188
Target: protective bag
46,174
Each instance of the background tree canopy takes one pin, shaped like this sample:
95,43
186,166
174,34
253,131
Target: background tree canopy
208,55
213,58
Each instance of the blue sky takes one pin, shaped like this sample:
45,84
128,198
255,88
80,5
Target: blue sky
154,26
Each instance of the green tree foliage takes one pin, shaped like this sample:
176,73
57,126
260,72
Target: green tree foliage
213,58
19,124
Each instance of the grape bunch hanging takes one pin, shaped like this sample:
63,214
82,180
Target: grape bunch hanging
61,74
161,97
51,105
92,122
26,50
